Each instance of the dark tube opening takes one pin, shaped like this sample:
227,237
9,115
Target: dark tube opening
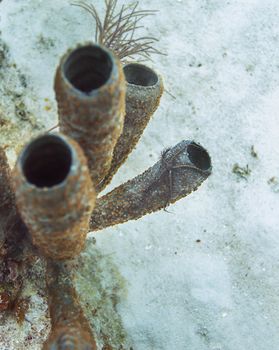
88,68
199,156
46,161
138,74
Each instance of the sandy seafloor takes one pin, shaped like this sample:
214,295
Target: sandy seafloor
150,284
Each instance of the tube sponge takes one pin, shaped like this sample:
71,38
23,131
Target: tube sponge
54,194
90,92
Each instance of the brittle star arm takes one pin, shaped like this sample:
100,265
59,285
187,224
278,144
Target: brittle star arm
150,191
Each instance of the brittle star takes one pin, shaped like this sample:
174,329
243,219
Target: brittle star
169,167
